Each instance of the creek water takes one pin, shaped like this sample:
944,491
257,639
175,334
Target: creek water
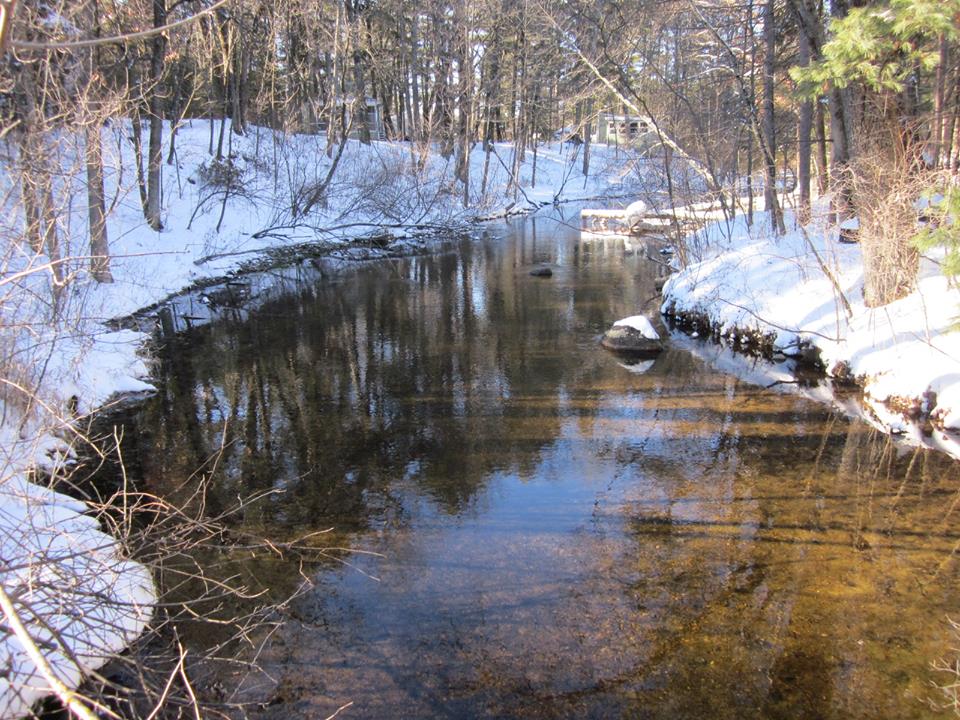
529,527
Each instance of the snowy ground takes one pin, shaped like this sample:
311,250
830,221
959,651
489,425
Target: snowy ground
59,567
908,362
59,570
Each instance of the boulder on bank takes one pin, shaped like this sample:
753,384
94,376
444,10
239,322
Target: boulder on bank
634,336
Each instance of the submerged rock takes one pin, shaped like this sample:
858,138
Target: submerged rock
542,272
633,336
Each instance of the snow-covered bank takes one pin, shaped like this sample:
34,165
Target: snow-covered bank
791,294
77,598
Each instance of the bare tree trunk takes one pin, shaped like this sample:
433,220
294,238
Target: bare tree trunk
750,181
769,121
48,219
417,117
238,79
466,113
136,137
751,101
840,154
99,247
179,105
588,124
155,152
318,195
359,84
487,147
8,8
93,160
841,129
939,99
804,131
951,125
31,209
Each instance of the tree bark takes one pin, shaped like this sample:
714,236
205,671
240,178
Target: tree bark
359,84
769,120
416,107
588,124
93,160
939,100
99,246
155,150
8,8
804,131
466,112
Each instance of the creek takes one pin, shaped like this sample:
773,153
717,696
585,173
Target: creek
529,526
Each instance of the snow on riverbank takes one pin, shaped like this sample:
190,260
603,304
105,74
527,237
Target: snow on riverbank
217,215
78,599
904,355
75,592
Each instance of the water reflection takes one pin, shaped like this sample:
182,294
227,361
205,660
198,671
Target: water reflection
559,534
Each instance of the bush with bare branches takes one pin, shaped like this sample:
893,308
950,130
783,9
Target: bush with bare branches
886,195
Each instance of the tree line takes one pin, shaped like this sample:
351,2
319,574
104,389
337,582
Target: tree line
841,94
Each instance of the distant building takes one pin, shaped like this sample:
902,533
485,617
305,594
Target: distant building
374,111
374,116
613,129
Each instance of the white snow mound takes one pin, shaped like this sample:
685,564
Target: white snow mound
641,324
78,599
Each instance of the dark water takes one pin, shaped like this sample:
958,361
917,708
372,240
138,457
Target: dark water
555,534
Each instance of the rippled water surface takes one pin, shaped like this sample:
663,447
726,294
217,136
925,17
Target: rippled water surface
555,534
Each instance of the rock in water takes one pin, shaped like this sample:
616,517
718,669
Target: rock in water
633,336
542,272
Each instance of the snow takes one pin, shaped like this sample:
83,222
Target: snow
641,324
753,284
217,216
636,210
59,568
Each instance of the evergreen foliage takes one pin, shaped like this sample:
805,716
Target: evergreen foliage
943,231
880,46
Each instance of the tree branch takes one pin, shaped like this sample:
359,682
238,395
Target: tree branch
93,42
